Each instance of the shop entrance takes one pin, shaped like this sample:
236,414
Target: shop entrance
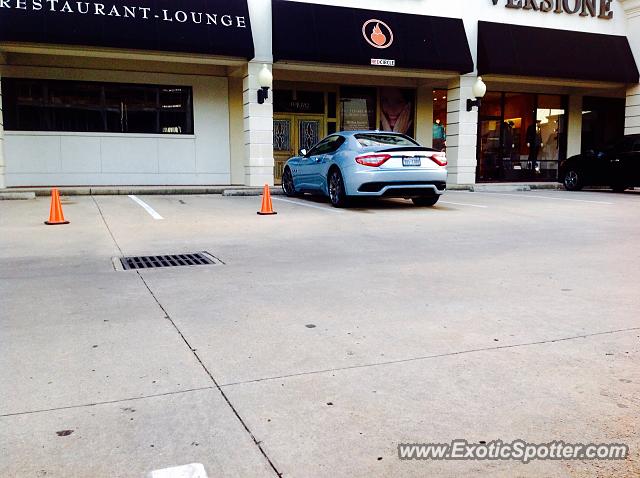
291,133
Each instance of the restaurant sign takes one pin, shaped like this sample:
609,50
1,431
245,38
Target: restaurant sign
217,27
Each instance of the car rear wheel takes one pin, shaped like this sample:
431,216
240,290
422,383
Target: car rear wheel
287,184
337,194
572,180
426,201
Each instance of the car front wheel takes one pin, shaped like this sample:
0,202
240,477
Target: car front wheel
287,184
572,180
337,194
426,201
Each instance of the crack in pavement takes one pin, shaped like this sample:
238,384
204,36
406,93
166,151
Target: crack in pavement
256,442
429,357
106,402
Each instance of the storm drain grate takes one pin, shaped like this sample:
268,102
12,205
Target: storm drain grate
174,260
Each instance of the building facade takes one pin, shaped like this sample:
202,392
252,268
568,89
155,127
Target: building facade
166,93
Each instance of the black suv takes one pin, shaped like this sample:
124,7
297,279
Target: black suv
617,166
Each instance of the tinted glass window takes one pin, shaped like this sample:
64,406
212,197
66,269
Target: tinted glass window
625,145
327,146
372,139
75,106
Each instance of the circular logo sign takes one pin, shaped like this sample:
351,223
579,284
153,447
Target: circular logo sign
377,33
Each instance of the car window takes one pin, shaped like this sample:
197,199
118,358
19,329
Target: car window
327,146
380,139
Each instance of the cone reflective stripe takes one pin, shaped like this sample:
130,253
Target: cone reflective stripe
55,213
267,205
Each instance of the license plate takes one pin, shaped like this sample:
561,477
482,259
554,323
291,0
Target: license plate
411,161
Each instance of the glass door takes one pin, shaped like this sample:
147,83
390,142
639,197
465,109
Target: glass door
283,143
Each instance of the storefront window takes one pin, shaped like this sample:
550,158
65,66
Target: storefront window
551,123
440,119
491,104
358,108
521,137
397,110
49,105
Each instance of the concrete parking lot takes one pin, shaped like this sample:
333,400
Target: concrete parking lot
324,339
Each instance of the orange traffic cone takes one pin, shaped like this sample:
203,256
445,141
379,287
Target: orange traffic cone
267,205
55,214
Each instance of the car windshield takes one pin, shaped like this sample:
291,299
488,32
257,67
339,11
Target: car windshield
380,139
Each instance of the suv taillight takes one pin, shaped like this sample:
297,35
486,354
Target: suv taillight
373,160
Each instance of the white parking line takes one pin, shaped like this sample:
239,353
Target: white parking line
193,470
146,207
463,204
535,196
300,203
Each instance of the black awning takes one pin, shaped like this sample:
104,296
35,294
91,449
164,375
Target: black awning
543,52
326,34
215,27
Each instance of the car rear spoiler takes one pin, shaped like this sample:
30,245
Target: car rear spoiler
408,148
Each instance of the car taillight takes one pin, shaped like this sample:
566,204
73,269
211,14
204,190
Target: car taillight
439,158
373,160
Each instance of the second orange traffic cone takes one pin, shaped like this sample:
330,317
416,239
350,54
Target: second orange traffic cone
55,214
267,205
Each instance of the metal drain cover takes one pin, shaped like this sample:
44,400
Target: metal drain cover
173,260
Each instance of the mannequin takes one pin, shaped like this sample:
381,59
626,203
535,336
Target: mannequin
534,143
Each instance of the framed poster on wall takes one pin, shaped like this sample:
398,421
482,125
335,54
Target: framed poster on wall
358,108
397,110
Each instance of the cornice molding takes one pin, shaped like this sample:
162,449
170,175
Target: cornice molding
631,7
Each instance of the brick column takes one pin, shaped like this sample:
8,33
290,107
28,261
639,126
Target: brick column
462,131
632,111
258,130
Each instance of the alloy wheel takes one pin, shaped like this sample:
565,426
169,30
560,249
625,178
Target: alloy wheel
287,183
336,191
572,180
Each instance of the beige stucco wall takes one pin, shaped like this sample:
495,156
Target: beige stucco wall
236,136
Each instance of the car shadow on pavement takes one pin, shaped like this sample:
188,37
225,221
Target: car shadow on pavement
361,204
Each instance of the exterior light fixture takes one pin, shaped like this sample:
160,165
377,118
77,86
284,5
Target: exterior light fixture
479,89
265,78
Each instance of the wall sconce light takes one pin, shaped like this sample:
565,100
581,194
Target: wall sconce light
478,90
265,78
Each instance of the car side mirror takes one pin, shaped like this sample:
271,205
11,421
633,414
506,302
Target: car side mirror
303,152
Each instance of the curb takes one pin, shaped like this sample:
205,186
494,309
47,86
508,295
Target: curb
275,191
9,196
117,191
31,193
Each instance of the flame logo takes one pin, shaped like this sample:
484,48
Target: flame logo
380,36
377,36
